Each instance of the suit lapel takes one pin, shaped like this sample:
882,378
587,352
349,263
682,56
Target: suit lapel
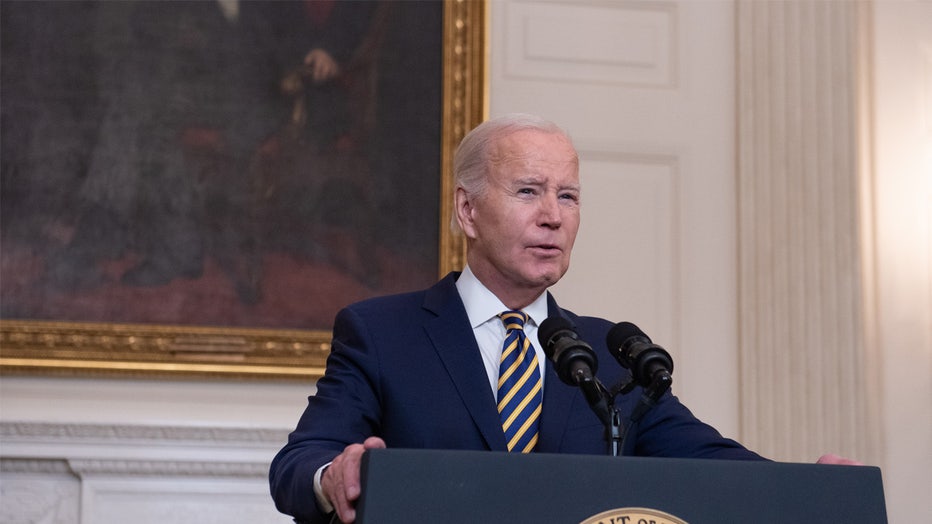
453,339
558,399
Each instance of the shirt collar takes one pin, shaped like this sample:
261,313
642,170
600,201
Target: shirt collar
482,305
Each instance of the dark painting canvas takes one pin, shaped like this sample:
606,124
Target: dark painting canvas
217,163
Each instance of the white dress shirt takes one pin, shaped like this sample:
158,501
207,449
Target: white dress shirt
483,308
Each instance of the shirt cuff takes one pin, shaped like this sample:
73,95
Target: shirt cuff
322,501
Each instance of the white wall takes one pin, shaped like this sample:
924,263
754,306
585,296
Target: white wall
902,198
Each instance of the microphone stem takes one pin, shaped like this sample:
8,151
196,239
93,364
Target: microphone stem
616,440
602,403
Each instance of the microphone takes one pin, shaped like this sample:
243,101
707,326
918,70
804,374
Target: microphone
573,359
575,363
651,366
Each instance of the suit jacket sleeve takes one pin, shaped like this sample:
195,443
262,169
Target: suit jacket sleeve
346,403
405,368
669,429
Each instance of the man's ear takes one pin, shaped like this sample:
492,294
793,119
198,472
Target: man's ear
464,209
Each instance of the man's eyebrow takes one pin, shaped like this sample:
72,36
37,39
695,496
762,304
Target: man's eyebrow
530,180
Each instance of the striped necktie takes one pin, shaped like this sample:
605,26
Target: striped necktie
519,385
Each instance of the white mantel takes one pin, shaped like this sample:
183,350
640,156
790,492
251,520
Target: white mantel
108,473
101,451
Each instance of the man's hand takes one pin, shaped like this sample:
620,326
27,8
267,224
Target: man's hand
835,459
322,66
340,482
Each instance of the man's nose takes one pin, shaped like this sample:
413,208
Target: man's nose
550,215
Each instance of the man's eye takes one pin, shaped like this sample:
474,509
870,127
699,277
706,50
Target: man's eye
526,191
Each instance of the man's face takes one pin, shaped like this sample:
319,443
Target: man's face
521,229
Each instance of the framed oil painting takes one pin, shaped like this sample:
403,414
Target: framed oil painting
195,188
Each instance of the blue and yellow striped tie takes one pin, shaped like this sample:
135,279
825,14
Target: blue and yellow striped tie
519,385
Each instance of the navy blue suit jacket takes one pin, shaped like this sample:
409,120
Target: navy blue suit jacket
407,368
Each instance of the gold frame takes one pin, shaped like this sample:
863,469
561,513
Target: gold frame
82,349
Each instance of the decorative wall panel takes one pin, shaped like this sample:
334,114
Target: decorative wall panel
627,43
642,243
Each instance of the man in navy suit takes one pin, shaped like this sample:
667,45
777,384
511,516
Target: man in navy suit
421,370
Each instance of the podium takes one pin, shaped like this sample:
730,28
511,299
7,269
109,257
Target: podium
416,486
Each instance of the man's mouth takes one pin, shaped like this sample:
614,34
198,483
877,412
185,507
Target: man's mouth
547,248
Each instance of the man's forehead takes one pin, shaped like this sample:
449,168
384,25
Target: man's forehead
543,179
532,143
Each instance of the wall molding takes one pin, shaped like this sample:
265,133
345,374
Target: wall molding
131,433
220,470
630,43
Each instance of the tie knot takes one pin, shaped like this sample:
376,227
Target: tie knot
513,319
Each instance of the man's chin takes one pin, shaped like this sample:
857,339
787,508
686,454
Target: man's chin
549,277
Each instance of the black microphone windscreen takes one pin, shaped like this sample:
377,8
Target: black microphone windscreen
621,332
550,327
